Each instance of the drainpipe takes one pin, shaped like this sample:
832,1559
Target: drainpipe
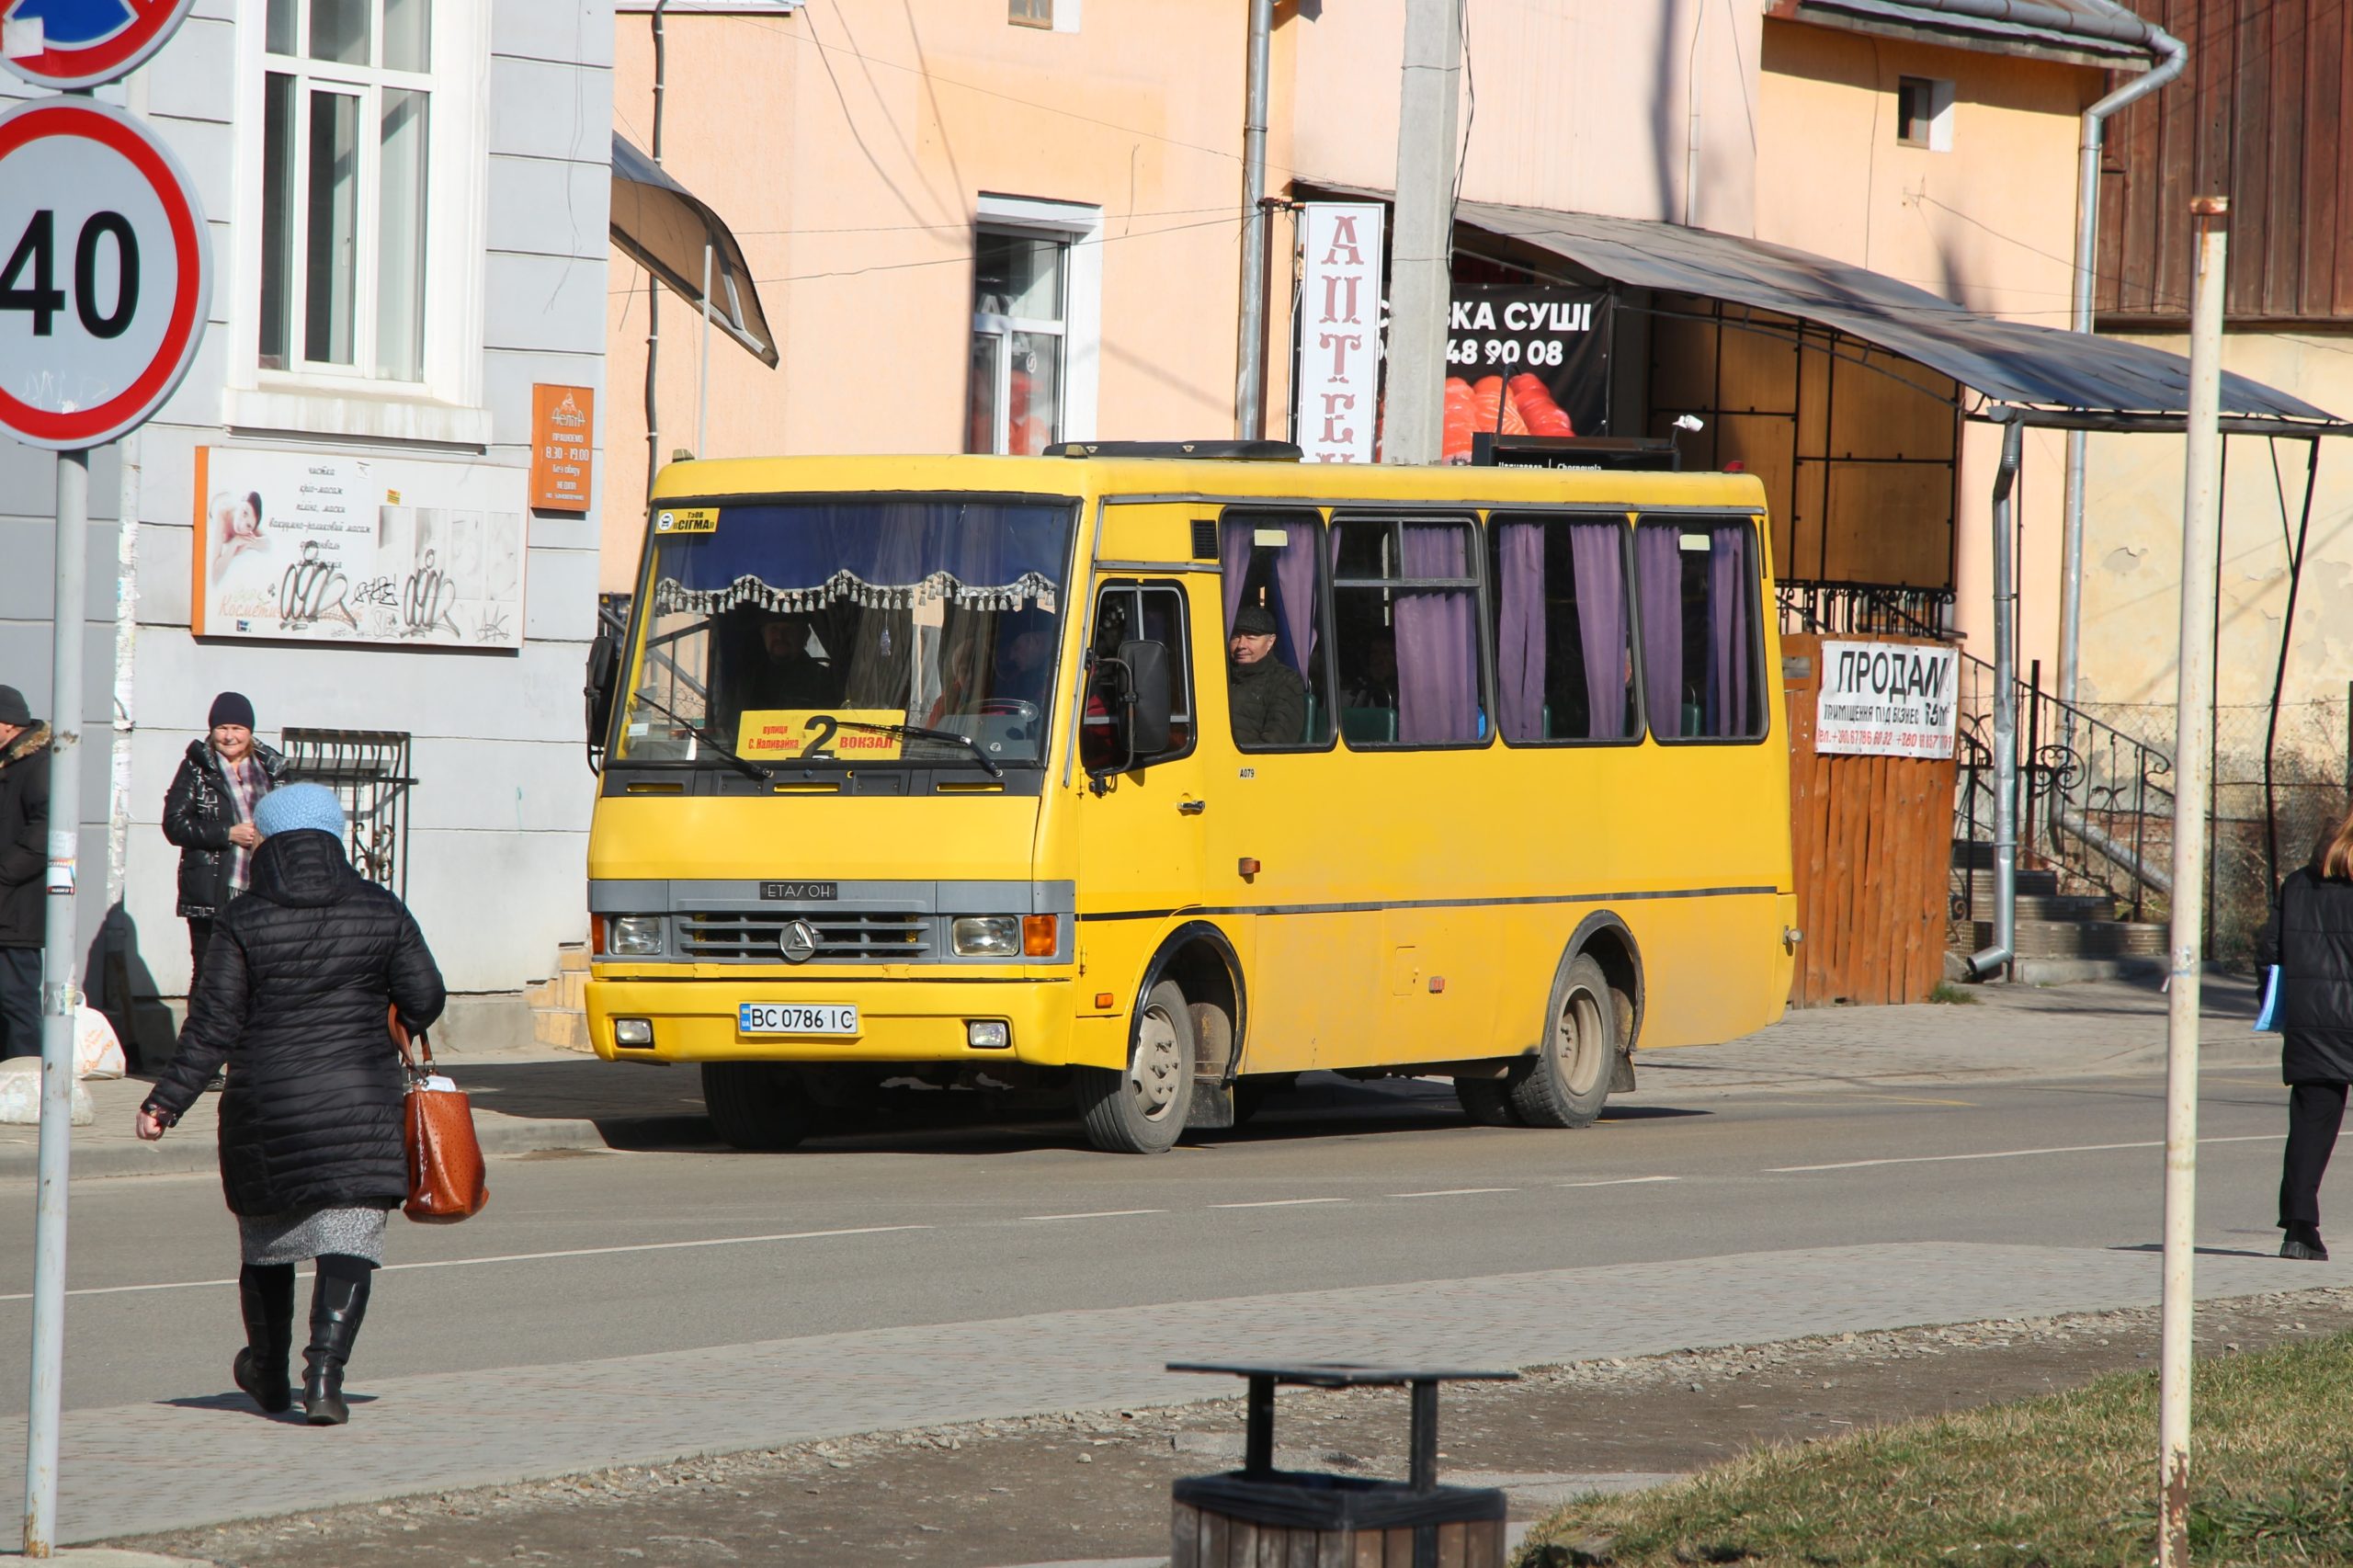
654,284
2174,57
1250,362
2006,714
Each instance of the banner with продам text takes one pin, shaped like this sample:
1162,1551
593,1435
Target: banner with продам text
1886,699
313,547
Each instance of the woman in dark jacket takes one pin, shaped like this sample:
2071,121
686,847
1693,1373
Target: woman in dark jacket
2310,936
209,812
295,996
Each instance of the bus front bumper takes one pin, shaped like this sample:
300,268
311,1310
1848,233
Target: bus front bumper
899,1020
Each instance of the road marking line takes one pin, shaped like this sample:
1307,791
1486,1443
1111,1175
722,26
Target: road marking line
1278,1202
1619,1181
2013,1153
1098,1214
1454,1192
516,1257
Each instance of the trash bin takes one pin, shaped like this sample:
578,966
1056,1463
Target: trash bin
1258,1514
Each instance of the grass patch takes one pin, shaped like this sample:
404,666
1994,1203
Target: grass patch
1954,995
2056,1482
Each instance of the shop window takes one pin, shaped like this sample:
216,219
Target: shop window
1405,633
1273,562
1019,323
1134,612
349,97
1697,594
1565,661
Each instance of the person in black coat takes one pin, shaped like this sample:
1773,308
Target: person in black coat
297,994
209,812
24,861
2310,936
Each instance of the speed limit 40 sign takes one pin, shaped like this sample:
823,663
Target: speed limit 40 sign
105,273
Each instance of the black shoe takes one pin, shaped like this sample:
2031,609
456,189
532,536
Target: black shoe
339,1304
2304,1242
214,1085
266,1296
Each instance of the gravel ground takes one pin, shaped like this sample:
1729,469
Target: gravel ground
1095,1485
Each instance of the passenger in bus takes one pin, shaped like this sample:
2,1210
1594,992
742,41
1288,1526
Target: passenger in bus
1268,699
786,675
1375,685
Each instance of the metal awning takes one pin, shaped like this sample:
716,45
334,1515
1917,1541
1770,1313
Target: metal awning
2040,375
666,229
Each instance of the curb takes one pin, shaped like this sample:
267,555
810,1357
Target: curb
200,1156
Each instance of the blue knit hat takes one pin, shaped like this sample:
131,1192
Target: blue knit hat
294,808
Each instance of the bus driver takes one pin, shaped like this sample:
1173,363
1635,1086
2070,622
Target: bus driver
1270,700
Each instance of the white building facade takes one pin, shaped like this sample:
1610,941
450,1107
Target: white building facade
338,513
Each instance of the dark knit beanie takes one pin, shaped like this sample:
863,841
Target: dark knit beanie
230,707
13,709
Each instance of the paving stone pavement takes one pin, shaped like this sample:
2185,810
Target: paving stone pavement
206,1457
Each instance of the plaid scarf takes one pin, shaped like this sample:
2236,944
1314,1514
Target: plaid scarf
247,785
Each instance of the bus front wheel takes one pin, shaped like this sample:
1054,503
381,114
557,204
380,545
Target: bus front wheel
1141,1109
1567,1080
755,1105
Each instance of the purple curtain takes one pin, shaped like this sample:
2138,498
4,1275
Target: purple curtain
1234,561
1438,668
1294,583
1658,576
1520,630
1729,639
1596,553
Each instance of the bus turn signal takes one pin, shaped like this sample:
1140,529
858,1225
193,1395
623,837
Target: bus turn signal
1041,936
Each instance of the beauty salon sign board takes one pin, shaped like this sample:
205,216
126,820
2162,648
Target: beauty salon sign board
1886,699
1337,399
310,547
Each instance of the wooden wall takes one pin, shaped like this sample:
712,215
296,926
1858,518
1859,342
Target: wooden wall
1870,838
2260,116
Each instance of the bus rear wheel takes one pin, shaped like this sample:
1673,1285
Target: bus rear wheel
755,1105
1568,1080
1141,1109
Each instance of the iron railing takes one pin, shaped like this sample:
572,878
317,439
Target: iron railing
1839,610
368,769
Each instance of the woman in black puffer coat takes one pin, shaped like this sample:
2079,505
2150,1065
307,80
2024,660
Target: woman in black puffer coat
295,998
2310,936
208,812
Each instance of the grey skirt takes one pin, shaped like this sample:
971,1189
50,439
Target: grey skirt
301,1234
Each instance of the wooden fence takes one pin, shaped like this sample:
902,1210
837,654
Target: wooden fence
1870,838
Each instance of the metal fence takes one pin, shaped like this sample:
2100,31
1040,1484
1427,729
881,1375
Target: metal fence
368,771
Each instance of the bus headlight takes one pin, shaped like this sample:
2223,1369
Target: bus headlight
634,936
985,935
636,1034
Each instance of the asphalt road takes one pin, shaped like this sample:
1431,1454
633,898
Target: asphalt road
610,1255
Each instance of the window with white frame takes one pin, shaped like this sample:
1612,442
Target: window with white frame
348,99
1021,299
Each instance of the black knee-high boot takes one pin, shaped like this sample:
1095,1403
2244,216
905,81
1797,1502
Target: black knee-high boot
338,1302
265,1295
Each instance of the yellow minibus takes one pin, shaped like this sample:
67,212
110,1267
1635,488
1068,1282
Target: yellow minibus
1147,779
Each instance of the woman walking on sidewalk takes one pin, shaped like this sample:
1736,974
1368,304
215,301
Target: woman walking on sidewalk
296,992
2310,936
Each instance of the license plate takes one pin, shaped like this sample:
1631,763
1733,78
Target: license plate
796,1017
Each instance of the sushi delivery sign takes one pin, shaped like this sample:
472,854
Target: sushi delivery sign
1886,699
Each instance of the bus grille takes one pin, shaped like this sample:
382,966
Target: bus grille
840,935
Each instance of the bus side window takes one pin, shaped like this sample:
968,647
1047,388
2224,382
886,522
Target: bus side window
1274,561
1697,593
1405,607
1565,656
1129,612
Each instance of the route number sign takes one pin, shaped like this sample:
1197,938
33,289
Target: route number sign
80,43
105,273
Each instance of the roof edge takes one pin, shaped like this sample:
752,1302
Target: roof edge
2120,41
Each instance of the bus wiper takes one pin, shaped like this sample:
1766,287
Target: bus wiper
915,731
744,765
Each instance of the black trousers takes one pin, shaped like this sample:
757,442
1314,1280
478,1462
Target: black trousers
2314,1112
20,1002
199,937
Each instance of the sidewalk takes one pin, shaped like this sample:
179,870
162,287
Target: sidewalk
538,1099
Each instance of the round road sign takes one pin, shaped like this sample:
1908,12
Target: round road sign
85,42
105,273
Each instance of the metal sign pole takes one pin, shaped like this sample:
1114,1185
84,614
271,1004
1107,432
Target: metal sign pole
58,994
2193,761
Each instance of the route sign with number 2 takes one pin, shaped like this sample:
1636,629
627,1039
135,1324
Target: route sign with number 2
105,273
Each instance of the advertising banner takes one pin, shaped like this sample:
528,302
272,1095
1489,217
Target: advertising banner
564,456
1526,361
1886,699
315,548
1339,331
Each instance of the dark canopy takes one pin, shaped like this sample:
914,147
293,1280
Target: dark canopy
662,226
2050,377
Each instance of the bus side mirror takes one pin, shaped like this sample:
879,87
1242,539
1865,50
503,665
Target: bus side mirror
604,667
1150,695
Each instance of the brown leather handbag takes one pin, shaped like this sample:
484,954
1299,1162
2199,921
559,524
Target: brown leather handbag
446,1182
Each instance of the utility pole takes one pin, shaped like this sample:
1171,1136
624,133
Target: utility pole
2201,505
1422,251
1250,360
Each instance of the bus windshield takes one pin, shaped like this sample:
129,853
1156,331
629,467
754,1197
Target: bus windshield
813,632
